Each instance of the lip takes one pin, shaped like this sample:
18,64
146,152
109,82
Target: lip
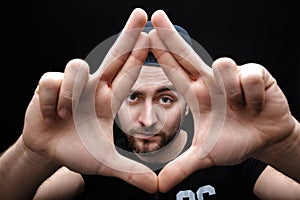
145,136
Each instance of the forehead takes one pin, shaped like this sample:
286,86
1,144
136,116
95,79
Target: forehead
151,75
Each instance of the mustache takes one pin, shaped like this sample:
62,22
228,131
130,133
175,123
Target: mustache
145,130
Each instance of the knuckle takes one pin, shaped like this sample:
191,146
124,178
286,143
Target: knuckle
118,54
77,65
66,95
234,93
251,79
47,108
183,53
222,64
50,80
256,103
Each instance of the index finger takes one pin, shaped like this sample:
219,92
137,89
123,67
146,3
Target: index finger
181,168
180,49
119,52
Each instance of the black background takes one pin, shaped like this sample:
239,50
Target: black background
42,36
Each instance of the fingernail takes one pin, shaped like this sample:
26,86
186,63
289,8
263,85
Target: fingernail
64,112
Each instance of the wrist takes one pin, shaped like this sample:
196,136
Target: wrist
24,169
285,155
29,156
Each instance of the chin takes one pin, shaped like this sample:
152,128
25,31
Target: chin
147,149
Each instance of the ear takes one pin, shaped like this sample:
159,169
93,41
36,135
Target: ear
186,110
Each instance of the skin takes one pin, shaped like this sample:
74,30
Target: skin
49,139
257,122
153,111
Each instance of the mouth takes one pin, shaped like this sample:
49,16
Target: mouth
146,136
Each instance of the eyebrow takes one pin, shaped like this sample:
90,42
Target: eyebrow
159,90
164,88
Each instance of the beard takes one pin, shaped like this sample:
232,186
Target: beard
162,137
146,146
139,145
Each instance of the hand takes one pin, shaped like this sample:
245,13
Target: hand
50,128
238,110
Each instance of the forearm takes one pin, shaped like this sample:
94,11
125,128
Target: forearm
21,172
285,155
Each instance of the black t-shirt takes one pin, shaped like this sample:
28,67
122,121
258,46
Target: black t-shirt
232,182
219,182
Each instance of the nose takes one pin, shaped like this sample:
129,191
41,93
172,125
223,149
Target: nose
147,116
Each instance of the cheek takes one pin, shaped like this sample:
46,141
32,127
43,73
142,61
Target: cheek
124,118
173,119
127,116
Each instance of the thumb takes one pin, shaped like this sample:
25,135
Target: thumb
181,168
146,180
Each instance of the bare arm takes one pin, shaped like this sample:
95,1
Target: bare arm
49,138
22,171
272,184
24,175
63,184
285,155
255,120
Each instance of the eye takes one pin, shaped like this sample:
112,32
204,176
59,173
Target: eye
166,100
132,98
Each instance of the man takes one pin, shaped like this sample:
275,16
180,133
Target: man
47,160
152,116
151,119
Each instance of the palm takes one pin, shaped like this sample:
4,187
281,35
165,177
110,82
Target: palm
83,140
244,131
238,110
57,140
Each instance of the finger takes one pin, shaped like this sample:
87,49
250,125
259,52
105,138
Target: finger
111,163
227,76
78,70
252,80
145,181
48,90
181,80
136,174
128,74
189,60
165,57
181,50
180,168
119,52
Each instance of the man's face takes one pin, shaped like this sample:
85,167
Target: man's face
153,111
